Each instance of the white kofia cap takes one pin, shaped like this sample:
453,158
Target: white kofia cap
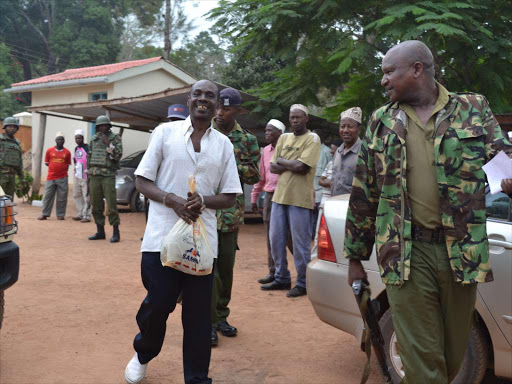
277,124
79,132
300,107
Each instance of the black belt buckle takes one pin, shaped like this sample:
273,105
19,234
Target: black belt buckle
427,235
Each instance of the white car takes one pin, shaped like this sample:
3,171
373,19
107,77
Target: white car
490,344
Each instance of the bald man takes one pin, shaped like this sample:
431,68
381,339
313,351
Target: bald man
419,194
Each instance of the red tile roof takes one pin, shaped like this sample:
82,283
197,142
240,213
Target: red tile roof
83,73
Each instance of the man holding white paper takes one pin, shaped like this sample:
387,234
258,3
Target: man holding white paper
176,151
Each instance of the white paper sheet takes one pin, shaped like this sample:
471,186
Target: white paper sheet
499,168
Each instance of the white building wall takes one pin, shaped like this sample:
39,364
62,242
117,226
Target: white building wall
132,140
146,83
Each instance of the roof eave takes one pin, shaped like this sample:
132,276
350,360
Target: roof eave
58,84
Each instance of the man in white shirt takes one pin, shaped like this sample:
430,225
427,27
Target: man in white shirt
176,151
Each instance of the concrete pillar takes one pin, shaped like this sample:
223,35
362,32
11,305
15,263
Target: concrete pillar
38,155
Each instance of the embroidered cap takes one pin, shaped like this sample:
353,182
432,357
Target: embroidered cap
354,113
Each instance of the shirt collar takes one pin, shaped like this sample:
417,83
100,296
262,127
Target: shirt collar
354,148
187,124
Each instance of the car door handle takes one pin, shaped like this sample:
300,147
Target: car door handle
508,319
500,243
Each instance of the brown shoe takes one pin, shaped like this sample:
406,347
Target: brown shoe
84,220
76,218
60,217
42,217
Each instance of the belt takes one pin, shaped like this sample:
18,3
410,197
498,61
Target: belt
427,235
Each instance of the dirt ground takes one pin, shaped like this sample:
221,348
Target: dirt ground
71,317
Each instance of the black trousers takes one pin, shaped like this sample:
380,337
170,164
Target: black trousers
164,285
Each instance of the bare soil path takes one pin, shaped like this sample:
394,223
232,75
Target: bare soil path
71,317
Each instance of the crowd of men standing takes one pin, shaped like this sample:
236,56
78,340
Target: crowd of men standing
404,178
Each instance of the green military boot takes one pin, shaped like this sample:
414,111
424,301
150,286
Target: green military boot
116,237
100,233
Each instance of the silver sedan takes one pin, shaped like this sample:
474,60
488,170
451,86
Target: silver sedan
490,343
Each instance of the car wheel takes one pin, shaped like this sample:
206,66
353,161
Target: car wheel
473,366
1,308
137,201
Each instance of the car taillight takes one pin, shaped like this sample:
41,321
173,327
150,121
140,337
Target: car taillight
8,225
325,247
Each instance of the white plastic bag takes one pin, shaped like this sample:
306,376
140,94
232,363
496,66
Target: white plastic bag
187,247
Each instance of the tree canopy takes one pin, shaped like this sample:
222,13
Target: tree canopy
332,49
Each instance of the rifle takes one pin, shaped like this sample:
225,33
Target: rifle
372,332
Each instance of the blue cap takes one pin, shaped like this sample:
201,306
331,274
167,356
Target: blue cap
230,97
178,111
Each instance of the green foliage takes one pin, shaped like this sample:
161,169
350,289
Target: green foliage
10,72
23,190
203,58
332,49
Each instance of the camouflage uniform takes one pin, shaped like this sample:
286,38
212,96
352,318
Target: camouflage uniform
101,169
11,164
247,156
466,136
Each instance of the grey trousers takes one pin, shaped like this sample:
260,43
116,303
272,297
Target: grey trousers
59,186
267,214
297,220
83,207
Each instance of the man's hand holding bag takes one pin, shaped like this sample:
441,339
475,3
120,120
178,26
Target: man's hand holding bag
187,247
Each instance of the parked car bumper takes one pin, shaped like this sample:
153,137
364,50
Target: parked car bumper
328,292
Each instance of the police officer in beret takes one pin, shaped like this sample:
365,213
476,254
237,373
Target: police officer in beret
247,156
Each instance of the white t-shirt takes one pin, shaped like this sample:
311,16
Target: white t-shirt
170,159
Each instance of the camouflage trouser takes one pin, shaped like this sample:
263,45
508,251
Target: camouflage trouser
223,275
432,317
103,187
8,184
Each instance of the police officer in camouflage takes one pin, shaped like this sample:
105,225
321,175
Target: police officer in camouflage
419,194
105,151
11,163
247,156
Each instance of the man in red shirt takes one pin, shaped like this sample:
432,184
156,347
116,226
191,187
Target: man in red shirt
58,160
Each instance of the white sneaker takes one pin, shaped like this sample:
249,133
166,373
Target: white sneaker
135,371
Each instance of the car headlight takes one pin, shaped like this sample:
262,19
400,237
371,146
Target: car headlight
8,224
123,180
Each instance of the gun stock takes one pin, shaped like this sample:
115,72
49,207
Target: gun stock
373,333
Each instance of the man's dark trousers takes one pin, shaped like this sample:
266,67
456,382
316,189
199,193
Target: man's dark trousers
223,275
164,285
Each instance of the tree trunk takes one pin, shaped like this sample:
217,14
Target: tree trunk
167,31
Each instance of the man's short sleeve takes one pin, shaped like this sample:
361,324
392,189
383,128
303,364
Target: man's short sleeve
277,150
47,156
230,181
311,152
148,166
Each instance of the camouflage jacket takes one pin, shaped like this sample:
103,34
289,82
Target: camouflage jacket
467,136
97,149
11,162
247,156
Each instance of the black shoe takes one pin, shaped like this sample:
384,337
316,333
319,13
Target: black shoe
226,329
100,233
275,286
297,291
116,237
267,279
215,337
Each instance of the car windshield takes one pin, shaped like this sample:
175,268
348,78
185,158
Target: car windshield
133,160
